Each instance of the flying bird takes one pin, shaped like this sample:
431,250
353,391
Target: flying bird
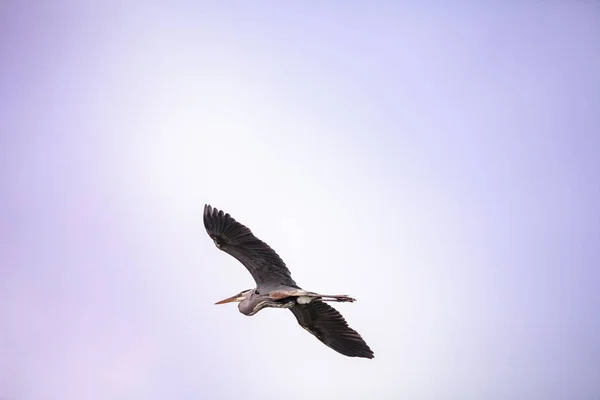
276,288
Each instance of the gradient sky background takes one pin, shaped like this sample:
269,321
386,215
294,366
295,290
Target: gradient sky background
438,162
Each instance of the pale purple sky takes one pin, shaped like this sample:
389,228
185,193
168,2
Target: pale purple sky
438,162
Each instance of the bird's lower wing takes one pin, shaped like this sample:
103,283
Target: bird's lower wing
330,327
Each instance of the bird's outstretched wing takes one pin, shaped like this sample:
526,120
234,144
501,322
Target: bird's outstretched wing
328,325
265,266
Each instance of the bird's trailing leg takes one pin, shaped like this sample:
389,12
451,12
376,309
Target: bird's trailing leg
339,297
331,297
305,297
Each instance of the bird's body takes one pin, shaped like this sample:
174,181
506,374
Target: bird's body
275,287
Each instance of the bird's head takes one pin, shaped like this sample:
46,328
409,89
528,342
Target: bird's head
237,298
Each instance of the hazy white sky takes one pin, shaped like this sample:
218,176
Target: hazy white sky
439,163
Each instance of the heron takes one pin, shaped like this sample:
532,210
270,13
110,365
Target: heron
275,287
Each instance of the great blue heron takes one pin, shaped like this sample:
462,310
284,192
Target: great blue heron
276,288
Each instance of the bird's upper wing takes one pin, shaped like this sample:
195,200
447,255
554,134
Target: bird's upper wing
266,267
328,325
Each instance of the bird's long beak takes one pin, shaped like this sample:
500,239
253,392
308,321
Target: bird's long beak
231,299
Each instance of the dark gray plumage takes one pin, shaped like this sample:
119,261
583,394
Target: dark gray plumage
276,288
265,266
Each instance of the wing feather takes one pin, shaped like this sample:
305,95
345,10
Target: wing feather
263,263
330,327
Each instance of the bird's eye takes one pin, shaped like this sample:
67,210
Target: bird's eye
256,291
